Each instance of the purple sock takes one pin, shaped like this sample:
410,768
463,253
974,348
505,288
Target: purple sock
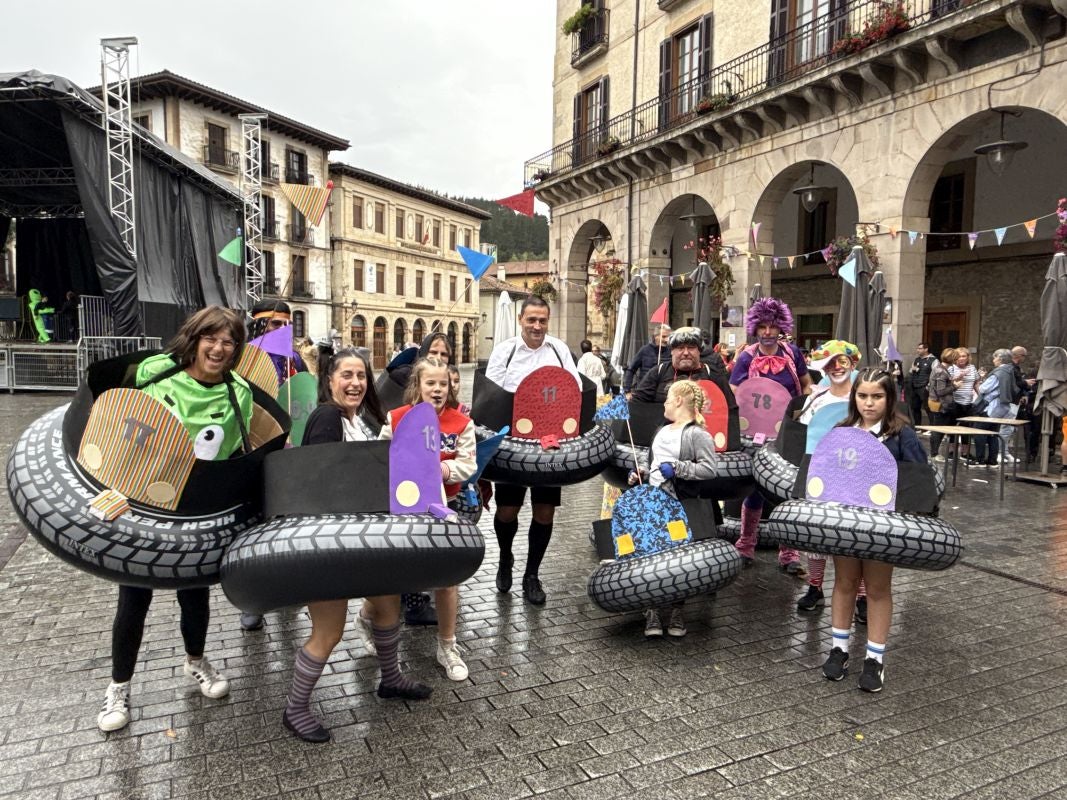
306,672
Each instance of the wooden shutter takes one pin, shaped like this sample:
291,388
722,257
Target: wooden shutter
576,148
666,51
779,28
706,41
604,106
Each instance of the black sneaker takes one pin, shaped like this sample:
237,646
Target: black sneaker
503,574
532,591
861,610
836,666
250,621
871,679
811,600
417,609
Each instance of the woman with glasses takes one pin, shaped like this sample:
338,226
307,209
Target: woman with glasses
872,407
193,379
348,411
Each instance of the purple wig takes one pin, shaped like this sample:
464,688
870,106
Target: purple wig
769,311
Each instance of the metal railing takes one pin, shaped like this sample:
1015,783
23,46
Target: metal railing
592,35
300,234
828,38
303,289
270,285
220,158
296,176
271,229
100,348
269,172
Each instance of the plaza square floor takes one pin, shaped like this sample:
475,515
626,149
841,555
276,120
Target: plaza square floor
565,700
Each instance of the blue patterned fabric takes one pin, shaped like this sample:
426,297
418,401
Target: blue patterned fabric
647,520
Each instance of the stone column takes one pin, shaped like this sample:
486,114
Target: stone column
904,266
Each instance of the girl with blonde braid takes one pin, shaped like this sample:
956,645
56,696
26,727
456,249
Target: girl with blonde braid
682,450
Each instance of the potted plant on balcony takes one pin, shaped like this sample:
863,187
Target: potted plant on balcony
608,144
886,20
608,283
576,21
714,102
840,250
710,250
541,174
545,290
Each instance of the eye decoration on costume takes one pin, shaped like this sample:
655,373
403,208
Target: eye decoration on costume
647,520
208,441
851,466
547,406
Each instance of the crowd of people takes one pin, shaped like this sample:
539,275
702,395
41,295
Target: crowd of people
195,378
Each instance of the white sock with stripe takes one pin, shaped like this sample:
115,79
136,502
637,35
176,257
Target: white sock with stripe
875,651
840,638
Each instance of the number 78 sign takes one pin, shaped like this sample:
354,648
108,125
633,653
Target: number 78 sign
761,404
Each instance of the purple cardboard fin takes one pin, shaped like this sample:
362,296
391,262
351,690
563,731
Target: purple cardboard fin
851,466
415,463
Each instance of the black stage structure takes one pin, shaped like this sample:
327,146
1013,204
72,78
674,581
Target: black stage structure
54,184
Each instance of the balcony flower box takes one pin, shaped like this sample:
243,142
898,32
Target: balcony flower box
541,175
715,102
576,21
887,20
608,144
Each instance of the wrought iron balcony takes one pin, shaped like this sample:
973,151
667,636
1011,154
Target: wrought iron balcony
269,172
298,176
853,52
302,288
592,40
270,285
300,234
220,159
271,229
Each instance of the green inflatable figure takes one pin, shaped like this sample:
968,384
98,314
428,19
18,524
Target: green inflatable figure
41,312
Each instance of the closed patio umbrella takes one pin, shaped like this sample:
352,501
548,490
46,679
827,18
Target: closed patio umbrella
636,335
620,333
504,324
875,311
702,312
1052,373
852,318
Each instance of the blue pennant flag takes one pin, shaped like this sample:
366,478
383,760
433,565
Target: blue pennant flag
616,408
848,271
476,262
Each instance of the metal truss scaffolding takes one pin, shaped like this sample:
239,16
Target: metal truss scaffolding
118,125
251,186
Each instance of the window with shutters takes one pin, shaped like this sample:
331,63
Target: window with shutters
400,290
802,34
358,266
379,217
952,205
419,282
437,286
451,237
437,233
685,62
467,237
379,278
452,288
357,211
418,228
399,223
590,120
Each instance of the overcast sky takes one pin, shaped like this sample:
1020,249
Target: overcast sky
452,95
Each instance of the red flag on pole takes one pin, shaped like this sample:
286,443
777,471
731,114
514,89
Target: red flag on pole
523,202
660,314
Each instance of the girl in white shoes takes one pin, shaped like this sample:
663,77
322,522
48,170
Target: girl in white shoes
431,383
872,407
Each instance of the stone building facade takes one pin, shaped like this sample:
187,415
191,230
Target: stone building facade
203,123
396,273
685,118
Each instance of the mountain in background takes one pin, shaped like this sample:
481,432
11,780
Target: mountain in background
517,237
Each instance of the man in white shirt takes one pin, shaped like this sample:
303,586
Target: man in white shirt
591,365
511,361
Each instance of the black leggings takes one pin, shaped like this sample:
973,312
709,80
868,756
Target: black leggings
128,629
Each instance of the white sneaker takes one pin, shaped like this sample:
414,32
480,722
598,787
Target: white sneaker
365,630
448,657
653,626
212,684
676,627
938,459
115,715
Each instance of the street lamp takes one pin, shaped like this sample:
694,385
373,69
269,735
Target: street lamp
999,154
810,195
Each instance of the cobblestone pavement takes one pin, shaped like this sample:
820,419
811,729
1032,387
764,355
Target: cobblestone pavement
566,701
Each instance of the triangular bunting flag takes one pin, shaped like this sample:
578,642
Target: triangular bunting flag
848,271
476,262
891,352
774,262
755,233
892,232
233,252
1031,227
826,251
912,236
972,239
791,260
309,200
660,314
278,342
523,202
1000,234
